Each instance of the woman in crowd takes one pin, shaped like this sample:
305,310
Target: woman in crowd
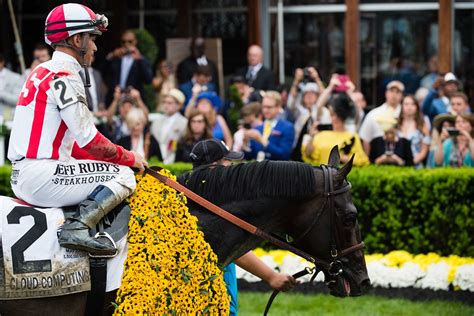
209,104
317,144
390,149
140,139
414,128
198,129
163,82
456,146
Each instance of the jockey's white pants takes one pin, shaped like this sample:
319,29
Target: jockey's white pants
54,183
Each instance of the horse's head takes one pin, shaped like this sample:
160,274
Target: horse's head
331,232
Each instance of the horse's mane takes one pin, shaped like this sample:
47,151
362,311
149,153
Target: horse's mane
254,180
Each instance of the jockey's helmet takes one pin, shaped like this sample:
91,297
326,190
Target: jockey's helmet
69,19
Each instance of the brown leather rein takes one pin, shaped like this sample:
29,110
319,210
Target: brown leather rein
251,228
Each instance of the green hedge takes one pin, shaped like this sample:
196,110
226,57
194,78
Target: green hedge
415,210
399,208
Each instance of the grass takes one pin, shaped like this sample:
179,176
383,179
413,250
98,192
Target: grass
251,303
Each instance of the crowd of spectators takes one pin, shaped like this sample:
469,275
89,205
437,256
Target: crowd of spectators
300,122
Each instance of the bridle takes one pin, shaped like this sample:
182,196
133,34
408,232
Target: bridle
329,194
335,267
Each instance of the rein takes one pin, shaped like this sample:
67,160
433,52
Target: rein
234,219
334,267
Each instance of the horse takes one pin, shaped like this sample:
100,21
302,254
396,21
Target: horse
311,204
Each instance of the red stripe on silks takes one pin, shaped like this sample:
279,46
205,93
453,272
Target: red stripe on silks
38,119
57,15
39,73
89,11
58,140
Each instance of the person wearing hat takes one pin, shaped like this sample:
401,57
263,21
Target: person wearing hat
210,104
212,153
438,100
169,127
455,146
370,127
307,113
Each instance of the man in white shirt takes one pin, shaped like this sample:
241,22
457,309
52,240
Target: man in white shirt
371,127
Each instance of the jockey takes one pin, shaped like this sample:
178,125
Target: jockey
58,156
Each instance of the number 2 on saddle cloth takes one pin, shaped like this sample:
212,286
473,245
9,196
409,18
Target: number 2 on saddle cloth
33,265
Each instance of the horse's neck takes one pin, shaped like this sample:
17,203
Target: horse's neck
229,241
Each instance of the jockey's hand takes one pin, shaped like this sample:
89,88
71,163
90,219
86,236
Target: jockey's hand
140,162
282,282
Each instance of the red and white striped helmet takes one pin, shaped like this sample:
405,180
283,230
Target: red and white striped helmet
72,18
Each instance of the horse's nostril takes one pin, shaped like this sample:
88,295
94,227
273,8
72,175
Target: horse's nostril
365,285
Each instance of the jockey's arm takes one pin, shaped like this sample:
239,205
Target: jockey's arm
80,123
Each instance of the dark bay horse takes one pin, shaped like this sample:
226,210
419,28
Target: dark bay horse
285,197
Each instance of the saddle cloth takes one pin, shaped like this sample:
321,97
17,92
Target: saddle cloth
33,265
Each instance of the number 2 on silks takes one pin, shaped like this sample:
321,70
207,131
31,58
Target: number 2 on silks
63,92
32,235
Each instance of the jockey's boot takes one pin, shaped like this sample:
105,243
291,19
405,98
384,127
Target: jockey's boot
75,231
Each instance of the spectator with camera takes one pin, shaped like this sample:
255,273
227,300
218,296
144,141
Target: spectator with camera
163,82
126,66
300,79
168,128
123,101
200,82
317,144
341,84
140,139
391,108
390,149
273,139
257,75
459,105
251,117
438,100
414,128
188,66
456,145
197,129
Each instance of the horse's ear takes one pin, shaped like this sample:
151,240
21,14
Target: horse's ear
344,171
334,157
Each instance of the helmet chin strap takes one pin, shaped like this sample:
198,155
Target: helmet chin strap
82,53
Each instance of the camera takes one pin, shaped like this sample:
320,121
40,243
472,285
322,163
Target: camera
343,86
307,75
389,153
126,90
453,132
324,127
247,126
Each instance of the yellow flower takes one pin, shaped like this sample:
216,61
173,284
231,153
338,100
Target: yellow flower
164,270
